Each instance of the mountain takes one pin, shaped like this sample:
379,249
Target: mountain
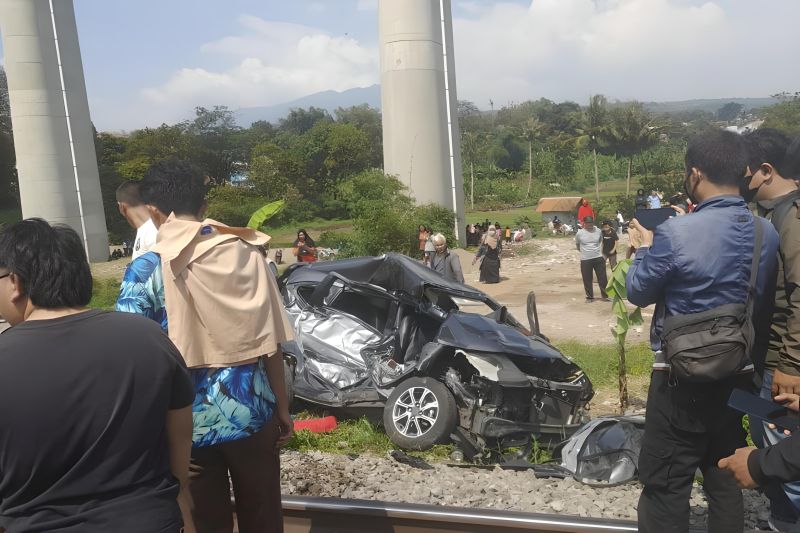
329,100
709,105
371,95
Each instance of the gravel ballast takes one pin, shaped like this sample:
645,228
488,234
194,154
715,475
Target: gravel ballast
371,477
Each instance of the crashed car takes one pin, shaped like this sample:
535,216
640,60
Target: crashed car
443,360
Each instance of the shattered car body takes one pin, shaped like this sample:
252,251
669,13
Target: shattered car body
389,332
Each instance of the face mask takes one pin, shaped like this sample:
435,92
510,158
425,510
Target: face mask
744,189
689,191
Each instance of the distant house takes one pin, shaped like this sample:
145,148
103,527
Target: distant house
564,207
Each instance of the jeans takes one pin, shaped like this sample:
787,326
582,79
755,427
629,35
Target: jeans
785,504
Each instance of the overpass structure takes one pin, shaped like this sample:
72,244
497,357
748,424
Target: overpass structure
54,142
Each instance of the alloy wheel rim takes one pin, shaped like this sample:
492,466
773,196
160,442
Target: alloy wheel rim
415,412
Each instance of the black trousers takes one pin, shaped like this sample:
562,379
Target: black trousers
598,265
689,427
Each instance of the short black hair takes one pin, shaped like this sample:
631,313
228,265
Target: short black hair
791,161
766,145
721,155
174,186
50,262
589,219
128,193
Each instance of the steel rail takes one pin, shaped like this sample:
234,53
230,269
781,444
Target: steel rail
329,515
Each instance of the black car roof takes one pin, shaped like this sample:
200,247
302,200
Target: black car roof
394,272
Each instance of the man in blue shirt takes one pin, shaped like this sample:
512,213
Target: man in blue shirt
654,200
691,264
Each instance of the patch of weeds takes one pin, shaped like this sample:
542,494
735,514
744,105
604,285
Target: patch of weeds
104,293
600,361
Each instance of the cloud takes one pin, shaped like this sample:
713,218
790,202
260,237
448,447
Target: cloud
270,62
644,49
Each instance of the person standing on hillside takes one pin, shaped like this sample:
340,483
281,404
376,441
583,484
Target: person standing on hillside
589,240
444,261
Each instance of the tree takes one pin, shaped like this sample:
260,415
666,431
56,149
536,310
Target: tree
593,130
730,111
368,120
631,131
531,131
300,120
215,148
785,115
472,146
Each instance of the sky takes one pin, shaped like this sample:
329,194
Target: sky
152,61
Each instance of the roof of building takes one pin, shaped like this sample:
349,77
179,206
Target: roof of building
559,205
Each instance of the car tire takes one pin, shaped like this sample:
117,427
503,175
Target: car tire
420,413
288,378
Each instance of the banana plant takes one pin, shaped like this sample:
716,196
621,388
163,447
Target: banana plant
265,213
625,319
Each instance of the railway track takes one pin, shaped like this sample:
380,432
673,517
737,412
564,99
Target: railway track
333,515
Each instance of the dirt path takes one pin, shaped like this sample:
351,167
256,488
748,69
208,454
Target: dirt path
552,271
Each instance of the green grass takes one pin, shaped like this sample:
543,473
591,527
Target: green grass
505,217
356,436
600,361
104,293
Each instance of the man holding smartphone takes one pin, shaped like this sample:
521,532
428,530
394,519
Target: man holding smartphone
686,268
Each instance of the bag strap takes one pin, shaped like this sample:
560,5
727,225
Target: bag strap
754,265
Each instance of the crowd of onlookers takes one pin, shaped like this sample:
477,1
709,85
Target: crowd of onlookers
146,419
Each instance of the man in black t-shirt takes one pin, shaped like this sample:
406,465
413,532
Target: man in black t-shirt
95,428
610,239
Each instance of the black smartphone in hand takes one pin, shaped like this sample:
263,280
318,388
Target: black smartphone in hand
651,218
766,410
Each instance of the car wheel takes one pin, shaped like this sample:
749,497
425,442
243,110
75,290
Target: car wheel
419,413
288,378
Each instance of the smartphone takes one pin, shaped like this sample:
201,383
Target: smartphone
651,218
766,410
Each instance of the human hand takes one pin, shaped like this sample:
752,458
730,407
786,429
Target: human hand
791,401
785,383
286,425
642,235
737,465
678,209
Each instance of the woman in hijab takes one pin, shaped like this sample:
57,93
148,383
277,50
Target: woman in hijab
490,252
584,210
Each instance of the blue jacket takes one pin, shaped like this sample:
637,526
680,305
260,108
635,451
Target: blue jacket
701,261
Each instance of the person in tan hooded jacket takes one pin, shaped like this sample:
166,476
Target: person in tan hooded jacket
210,287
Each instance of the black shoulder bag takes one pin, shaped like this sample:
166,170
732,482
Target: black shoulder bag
714,344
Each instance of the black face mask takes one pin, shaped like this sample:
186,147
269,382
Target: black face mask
689,193
744,189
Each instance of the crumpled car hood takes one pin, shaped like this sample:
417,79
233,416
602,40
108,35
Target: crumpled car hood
483,334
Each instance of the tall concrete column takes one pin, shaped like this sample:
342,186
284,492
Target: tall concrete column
421,144
53,138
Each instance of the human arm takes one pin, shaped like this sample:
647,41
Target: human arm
787,375
455,264
578,240
652,266
277,382
179,442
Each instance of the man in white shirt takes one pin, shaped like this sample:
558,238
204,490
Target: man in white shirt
135,212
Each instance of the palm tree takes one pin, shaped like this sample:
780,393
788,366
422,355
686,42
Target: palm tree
472,144
595,121
631,131
531,130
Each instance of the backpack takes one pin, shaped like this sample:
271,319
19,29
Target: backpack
715,344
